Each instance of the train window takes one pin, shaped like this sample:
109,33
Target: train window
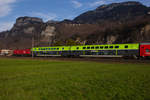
126,46
97,47
101,47
147,50
77,48
110,46
62,48
106,47
88,47
46,48
116,46
84,47
92,47
54,48
57,48
51,48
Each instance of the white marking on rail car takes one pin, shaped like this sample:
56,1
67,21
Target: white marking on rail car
48,55
101,56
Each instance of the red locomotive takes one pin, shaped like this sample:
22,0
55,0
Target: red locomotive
145,50
22,52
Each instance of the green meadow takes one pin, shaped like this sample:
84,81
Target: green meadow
73,80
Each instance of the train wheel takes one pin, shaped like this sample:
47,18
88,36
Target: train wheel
135,57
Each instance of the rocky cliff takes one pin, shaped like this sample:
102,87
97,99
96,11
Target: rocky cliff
24,30
113,12
125,22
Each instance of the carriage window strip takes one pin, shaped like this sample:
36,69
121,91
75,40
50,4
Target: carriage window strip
101,47
126,46
88,47
110,46
84,47
106,47
92,47
97,47
116,46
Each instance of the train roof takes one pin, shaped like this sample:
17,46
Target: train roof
89,45
144,43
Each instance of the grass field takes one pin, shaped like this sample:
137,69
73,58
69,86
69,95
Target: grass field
73,80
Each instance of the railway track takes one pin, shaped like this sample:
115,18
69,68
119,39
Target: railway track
92,59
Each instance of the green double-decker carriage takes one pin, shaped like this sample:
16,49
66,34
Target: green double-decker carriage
88,50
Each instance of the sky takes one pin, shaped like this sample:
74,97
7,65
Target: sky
48,9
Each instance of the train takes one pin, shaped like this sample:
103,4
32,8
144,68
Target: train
22,52
6,52
136,50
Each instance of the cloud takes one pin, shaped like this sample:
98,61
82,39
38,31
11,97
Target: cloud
6,7
76,4
6,26
97,3
7,1
44,16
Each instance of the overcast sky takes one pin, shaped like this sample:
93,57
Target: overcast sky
48,9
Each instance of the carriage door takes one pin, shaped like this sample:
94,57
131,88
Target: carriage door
142,50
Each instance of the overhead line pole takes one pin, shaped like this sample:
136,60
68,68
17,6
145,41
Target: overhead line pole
32,44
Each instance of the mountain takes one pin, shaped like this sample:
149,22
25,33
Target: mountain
113,12
126,22
20,36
